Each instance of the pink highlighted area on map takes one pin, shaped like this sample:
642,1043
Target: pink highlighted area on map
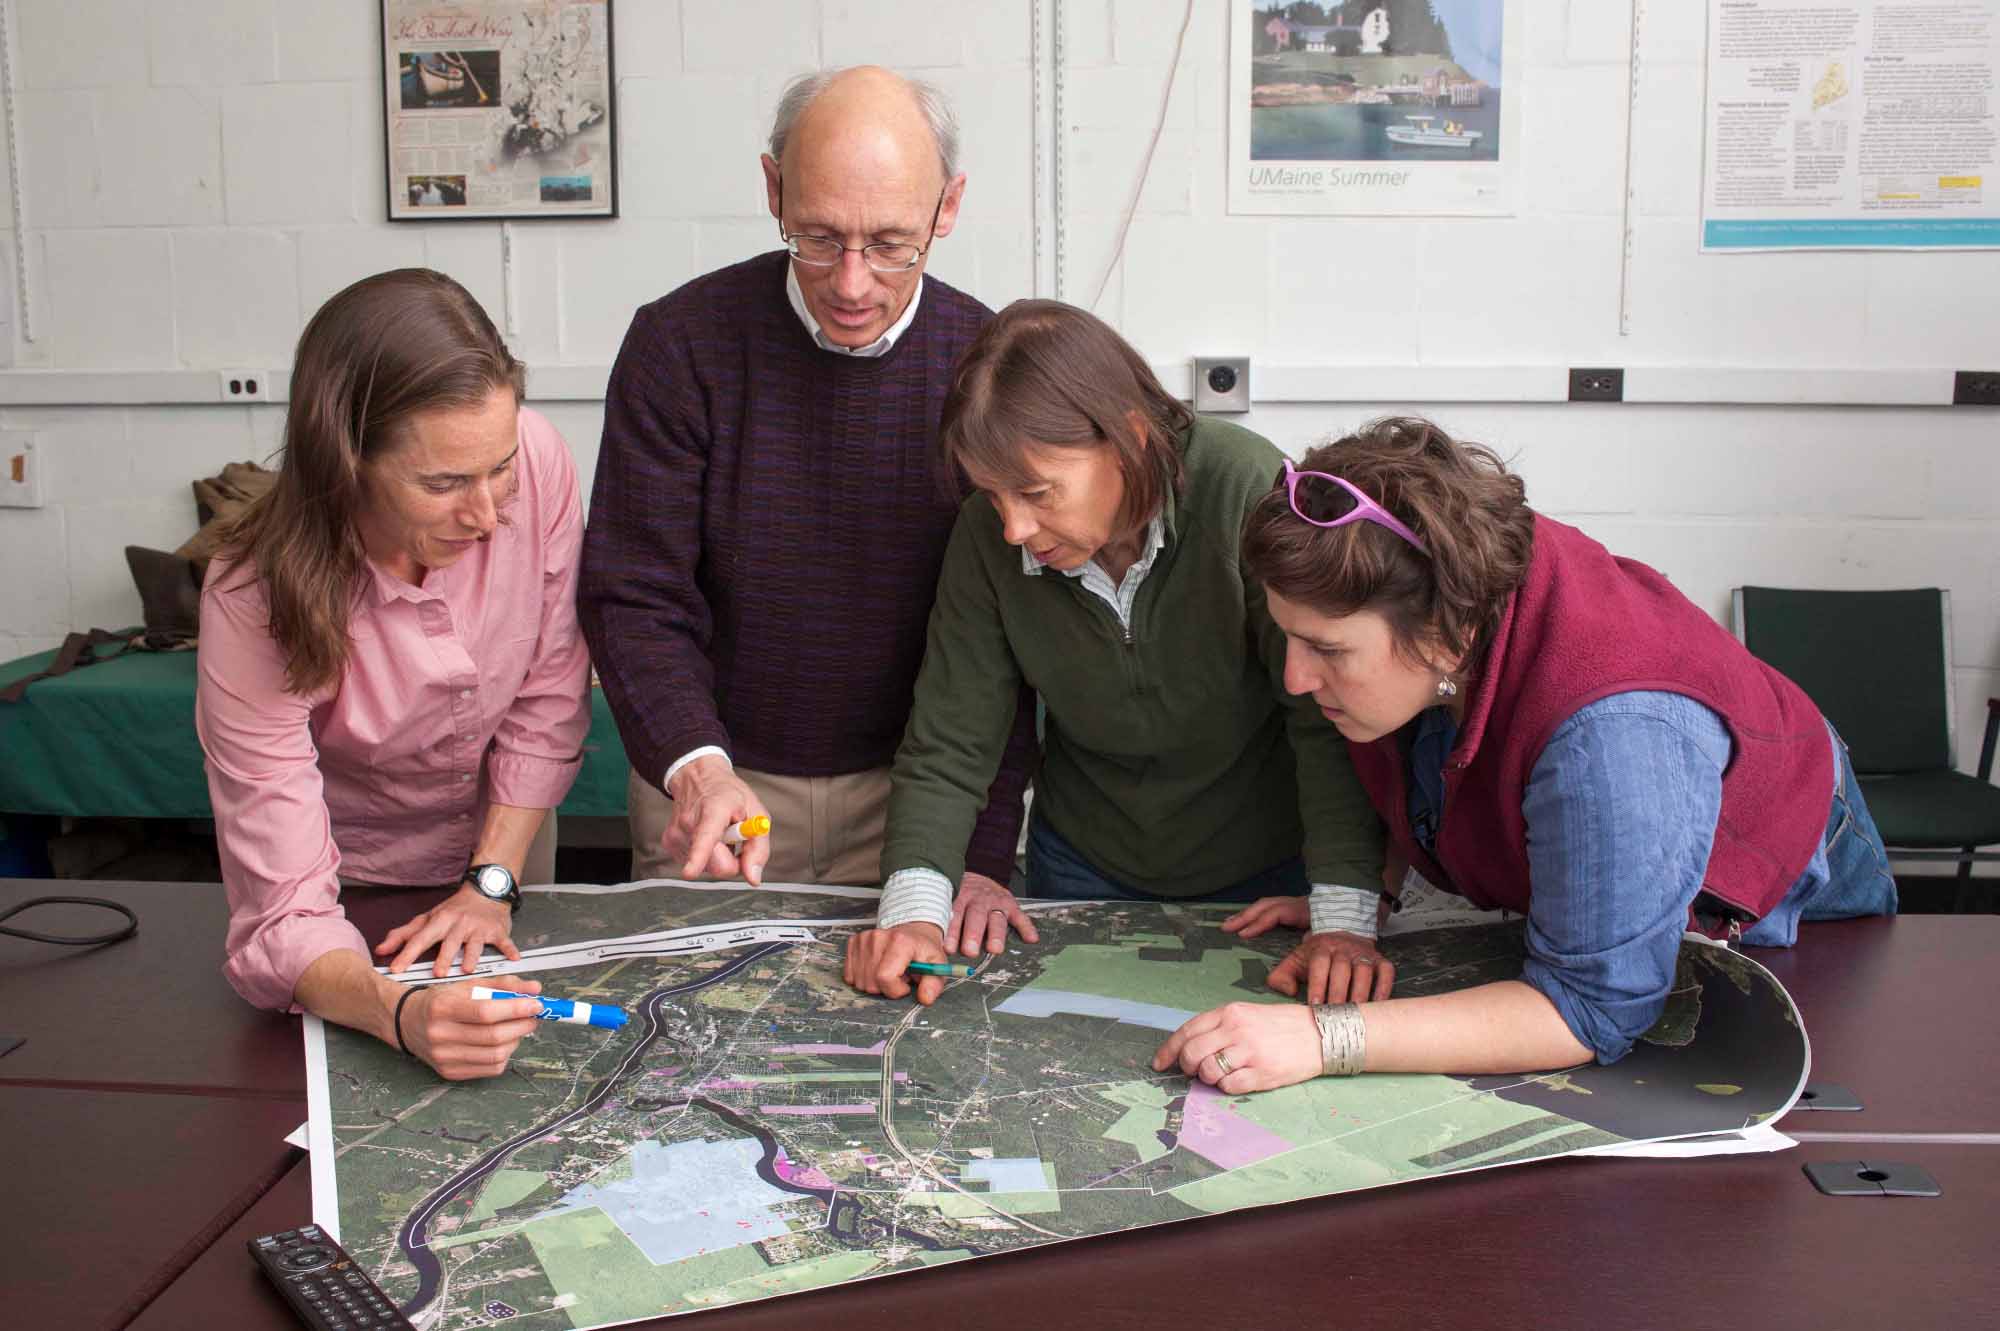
1212,1129
804,1176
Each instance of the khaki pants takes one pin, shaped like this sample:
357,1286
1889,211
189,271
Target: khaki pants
824,829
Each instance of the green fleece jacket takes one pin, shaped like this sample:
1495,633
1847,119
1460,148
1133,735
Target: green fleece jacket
1172,759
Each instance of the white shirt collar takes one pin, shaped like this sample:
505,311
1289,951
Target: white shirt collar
879,347
1156,540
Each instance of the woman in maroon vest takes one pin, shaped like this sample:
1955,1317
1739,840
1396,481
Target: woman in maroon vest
1545,728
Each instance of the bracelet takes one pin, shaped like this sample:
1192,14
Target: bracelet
1343,1039
408,994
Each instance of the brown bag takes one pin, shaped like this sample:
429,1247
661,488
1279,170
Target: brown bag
218,501
169,591
170,584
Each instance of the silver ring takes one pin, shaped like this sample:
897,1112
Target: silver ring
1221,1061
996,911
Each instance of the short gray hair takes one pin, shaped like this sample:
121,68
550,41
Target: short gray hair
804,90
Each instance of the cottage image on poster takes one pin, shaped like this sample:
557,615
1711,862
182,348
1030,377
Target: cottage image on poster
1371,106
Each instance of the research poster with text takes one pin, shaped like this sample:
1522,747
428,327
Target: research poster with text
1865,125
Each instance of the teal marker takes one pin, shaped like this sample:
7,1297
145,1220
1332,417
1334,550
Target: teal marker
951,970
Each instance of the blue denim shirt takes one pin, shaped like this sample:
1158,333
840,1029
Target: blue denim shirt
1621,811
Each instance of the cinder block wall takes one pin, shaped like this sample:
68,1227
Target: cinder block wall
201,174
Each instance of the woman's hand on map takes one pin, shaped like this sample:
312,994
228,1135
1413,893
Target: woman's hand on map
1268,913
463,925
1243,1047
1335,967
708,799
465,1037
877,960
981,916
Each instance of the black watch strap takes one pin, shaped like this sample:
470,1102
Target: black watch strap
486,878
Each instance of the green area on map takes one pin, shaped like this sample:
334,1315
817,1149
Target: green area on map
759,1128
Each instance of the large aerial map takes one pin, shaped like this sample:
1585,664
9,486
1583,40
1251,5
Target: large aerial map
759,1129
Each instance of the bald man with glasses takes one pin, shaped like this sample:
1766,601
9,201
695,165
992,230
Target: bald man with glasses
768,522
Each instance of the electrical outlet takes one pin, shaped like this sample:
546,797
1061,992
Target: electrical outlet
244,385
20,470
1603,384
1222,383
1976,388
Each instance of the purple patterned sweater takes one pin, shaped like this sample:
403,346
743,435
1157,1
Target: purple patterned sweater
765,533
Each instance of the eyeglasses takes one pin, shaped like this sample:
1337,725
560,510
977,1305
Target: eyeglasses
1325,500
825,252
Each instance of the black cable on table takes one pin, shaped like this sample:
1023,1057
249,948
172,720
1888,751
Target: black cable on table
64,940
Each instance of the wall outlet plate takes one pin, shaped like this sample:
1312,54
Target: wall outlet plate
1975,388
21,465
244,385
1222,383
1602,384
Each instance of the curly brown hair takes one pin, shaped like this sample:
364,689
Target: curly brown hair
1459,498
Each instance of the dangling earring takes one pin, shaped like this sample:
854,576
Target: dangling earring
1446,689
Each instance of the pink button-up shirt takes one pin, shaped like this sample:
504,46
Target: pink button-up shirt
468,690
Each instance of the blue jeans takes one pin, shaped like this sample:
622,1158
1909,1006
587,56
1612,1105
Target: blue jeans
1858,881
1057,872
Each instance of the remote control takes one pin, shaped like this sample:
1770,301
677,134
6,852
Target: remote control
326,1288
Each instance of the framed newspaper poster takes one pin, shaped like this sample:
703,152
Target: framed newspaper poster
498,109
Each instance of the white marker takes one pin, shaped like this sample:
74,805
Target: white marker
564,1009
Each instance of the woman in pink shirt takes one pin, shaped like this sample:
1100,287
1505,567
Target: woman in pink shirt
393,688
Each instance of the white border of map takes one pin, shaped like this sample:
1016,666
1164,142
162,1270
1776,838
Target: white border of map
1424,908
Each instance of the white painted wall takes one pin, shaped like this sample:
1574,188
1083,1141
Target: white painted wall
200,174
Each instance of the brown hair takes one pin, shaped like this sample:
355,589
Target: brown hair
382,350
1459,498
1048,373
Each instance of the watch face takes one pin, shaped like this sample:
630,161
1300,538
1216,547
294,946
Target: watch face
494,881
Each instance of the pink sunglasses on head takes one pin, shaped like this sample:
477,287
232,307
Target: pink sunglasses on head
1325,500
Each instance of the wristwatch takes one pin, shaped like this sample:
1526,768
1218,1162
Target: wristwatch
495,882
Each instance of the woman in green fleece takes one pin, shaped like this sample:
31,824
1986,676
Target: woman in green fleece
1099,565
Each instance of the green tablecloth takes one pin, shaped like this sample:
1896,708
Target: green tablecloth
117,740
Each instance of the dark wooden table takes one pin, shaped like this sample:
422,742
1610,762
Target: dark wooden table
111,1194
1902,1012
1729,1242
152,1012
149,1013
1899,1011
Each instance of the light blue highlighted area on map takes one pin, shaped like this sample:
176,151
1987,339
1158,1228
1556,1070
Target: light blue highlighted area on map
1016,1174
1039,1002
1015,1186
686,1198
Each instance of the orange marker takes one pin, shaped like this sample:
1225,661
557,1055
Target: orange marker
743,831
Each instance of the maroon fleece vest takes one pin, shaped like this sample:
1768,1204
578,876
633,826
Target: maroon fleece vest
1583,625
